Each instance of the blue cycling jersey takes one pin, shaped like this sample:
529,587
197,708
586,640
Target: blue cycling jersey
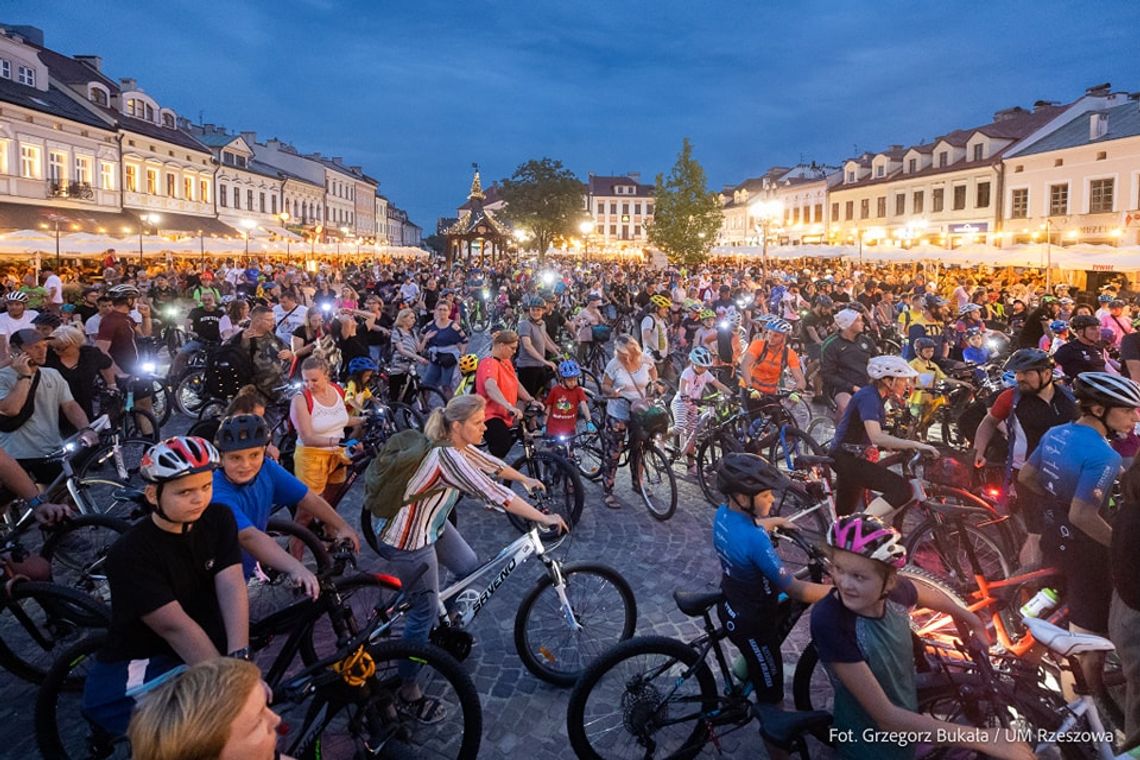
1073,461
753,572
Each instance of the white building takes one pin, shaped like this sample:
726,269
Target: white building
249,193
621,208
381,214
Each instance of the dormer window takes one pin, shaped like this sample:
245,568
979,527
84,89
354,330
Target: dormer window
133,107
99,96
943,158
850,176
27,76
5,68
880,170
912,166
168,120
148,111
978,150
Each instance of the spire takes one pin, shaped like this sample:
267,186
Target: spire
476,186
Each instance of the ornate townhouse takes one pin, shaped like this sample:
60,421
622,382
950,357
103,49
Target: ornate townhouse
621,207
799,210
249,192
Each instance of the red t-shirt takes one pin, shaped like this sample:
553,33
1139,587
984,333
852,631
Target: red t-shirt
562,409
503,373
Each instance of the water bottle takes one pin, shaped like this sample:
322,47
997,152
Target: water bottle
740,669
1043,602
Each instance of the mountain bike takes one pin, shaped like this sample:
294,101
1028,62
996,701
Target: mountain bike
564,494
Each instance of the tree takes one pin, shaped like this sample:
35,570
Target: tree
686,215
545,199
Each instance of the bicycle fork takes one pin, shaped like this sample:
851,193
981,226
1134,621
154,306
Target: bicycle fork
559,583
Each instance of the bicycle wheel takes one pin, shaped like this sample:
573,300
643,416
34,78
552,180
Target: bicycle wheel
160,396
811,686
61,731
709,454
77,551
341,720
927,623
405,417
269,589
115,461
648,691
812,519
656,482
564,493
604,609
822,430
360,594
798,409
38,620
190,393
141,424
587,455
789,443
427,399
939,546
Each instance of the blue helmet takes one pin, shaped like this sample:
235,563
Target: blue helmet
1008,378
362,364
1059,325
568,369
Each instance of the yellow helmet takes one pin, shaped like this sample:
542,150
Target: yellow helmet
661,302
468,363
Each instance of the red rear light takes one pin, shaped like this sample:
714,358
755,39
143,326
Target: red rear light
992,492
282,728
390,581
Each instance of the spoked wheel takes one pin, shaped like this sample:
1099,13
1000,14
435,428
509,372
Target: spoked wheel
77,551
139,423
190,393
39,620
822,430
648,692
656,482
588,456
939,546
406,418
709,454
427,399
604,611
271,590
790,442
564,493
160,399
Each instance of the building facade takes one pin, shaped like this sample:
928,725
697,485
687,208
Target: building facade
621,208
249,193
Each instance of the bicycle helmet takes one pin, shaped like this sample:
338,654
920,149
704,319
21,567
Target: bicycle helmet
1081,321
889,366
824,301
1025,359
1104,298
1116,303
1107,389
924,342
781,326
692,304
590,298
968,308
869,537
661,302
18,296
708,314
177,457
47,318
701,357
240,432
933,302
568,369
362,364
971,332
123,291
844,318
535,302
747,474
1059,325
468,363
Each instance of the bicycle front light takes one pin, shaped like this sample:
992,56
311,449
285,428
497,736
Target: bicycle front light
170,311
149,368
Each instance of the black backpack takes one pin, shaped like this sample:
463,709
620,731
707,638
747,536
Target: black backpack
228,369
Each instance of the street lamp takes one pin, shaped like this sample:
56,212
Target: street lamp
249,225
145,219
586,226
767,211
343,232
284,217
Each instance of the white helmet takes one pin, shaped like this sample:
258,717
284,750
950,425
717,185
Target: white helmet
1107,389
845,318
889,366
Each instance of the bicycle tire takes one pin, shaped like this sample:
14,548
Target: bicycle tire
160,396
930,546
924,622
67,614
427,399
135,424
61,680
709,453
802,679
77,562
652,485
539,657
190,393
405,417
673,652
270,590
589,456
119,462
350,588
564,495
788,443
822,430
980,510
462,736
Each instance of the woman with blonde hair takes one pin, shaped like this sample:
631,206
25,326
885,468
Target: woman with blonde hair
216,709
406,353
80,364
319,415
626,381
419,534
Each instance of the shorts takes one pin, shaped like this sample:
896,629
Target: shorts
112,689
318,468
759,642
1088,585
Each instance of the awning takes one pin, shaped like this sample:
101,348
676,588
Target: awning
206,225
25,216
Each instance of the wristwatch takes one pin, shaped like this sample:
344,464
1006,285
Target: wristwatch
241,654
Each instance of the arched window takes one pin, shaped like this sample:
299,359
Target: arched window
168,120
99,96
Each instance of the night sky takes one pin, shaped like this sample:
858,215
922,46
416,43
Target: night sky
416,91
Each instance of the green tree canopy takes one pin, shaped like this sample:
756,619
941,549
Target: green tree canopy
686,215
545,199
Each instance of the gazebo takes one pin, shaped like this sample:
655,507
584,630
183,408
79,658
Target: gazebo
476,229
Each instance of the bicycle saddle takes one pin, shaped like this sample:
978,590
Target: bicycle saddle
806,461
696,603
1063,642
784,727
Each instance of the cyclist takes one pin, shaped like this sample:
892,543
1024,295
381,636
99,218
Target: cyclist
1124,612
861,630
1084,352
497,383
693,386
654,333
860,429
468,366
584,322
1059,331
627,379
764,362
1070,475
358,390
16,317
567,401
816,325
534,346
176,584
843,359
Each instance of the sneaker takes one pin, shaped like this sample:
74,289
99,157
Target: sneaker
611,501
425,710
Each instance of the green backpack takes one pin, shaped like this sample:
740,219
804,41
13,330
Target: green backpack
389,472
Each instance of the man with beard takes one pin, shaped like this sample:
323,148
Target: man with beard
929,323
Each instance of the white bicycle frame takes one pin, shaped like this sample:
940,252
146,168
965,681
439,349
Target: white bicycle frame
1085,706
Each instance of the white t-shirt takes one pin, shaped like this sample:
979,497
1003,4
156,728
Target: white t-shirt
9,325
92,326
697,384
288,321
53,281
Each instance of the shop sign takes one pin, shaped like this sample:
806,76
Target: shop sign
970,228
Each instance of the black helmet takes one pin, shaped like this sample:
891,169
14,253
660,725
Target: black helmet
1024,359
748,474
48,319
824,302
1081,321
933,301
924,342
240,432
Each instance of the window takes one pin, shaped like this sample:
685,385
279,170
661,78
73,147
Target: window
880,206
237,197
132,179
1019,203
864,208
959,197
1058,200
625,232
261,202
106,176
625,209
917,202
83,169
912,166
188,188
613,230
835,211
152,181
636,230
796,215
1019,168
649,208
818,213
27,76
637,209
1100,196
204,191
600,229
56,163
900,204
880,170
1058,162
978,149
132,107
170,185
273,204
99,96
5,68
601,209
943,159
148,113
249,200
849,210
31,165
168,120
1101,155
613,208
983,200
936,196
850,176
223,198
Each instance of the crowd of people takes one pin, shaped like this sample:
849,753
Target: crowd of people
853,340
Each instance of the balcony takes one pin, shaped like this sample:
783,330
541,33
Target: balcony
75,190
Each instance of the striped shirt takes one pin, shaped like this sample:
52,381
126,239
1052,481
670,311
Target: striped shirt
457,472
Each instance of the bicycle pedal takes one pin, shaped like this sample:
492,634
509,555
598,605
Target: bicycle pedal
454,641
731,714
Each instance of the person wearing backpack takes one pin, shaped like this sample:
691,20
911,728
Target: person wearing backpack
410,488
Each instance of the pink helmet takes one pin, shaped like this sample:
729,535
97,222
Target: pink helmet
868,537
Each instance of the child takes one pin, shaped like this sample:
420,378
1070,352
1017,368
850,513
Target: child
468,366
357,393
754,581
566,401
976,351
692,387
1060,337
861,630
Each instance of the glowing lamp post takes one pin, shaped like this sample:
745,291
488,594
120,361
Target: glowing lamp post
586,226
145,219
249,226
766,212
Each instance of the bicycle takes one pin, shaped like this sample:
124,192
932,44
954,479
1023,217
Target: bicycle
650,471
564,494
573,611
658,697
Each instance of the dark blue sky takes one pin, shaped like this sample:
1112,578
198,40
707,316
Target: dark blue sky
415,91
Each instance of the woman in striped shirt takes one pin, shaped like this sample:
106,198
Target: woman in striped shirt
420,535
